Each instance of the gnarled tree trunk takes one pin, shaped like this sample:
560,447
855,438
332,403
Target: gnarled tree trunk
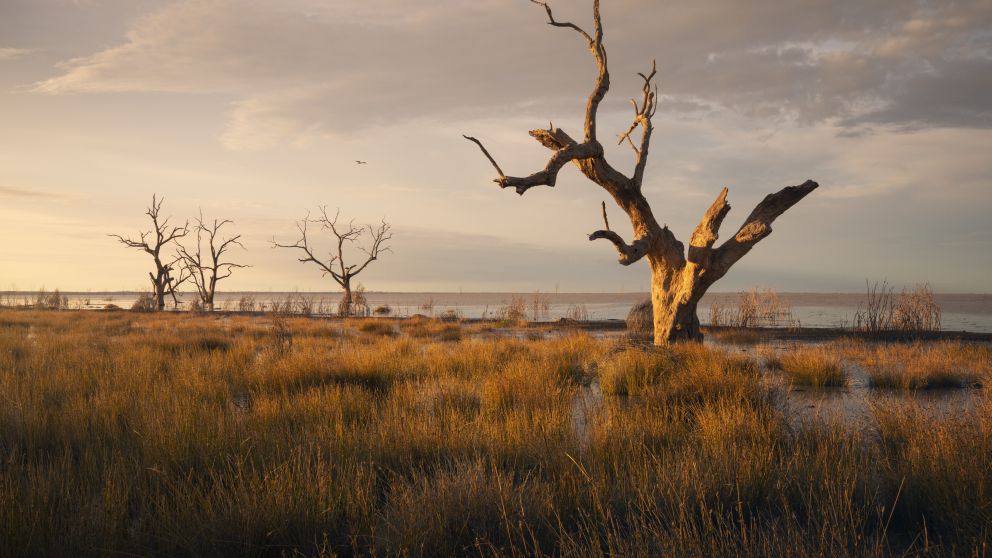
678,279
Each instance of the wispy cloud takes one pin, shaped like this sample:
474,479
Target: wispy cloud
10,53
9,192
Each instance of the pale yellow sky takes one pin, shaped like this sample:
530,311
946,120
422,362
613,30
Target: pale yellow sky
256,110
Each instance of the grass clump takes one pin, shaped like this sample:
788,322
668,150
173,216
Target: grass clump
813,367
422,328
632,371
683,373
921,367
377,327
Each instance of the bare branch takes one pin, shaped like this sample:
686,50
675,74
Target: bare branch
606,221
552,21
488,156
758,225
629,253
549,176
206,270
303,244
378,236
708,229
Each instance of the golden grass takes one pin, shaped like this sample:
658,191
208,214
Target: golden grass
813,366
162,434
932,366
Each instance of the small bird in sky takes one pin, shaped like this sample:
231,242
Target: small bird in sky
361,162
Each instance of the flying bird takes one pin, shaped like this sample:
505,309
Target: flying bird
361,162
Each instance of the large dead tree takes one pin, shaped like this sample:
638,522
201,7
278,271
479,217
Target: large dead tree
153,242
204,261
334,265
678,279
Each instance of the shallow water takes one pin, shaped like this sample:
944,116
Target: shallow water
850,405
961,312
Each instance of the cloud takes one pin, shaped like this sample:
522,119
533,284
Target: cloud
302,69
10,53
9,192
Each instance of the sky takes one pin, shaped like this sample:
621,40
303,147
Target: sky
256,111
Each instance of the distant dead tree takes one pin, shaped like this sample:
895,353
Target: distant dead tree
153,242
678,280
335,265
204,261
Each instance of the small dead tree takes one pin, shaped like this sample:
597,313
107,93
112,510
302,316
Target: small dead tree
335,266
204,261
678,280
153,242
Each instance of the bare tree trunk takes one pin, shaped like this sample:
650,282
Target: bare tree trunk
674,311
159,288
208,299
344,307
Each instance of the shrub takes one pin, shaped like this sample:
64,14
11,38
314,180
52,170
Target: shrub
145,303
640,318
51,301
577,313
247,303
513,311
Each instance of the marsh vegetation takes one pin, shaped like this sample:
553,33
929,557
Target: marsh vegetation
166,434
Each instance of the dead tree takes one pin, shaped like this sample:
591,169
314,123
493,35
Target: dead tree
204,262
678,279
335,265
153,242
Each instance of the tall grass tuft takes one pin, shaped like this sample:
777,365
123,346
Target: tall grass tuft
813,366
933,366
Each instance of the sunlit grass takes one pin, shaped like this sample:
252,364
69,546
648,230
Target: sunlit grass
206,435
933,366
812,366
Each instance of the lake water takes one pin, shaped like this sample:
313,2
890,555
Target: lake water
960,312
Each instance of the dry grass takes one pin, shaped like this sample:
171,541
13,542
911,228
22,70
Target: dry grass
813,366
422,327
230,436
932,366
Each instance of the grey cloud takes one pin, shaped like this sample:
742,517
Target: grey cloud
956,94
301,68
